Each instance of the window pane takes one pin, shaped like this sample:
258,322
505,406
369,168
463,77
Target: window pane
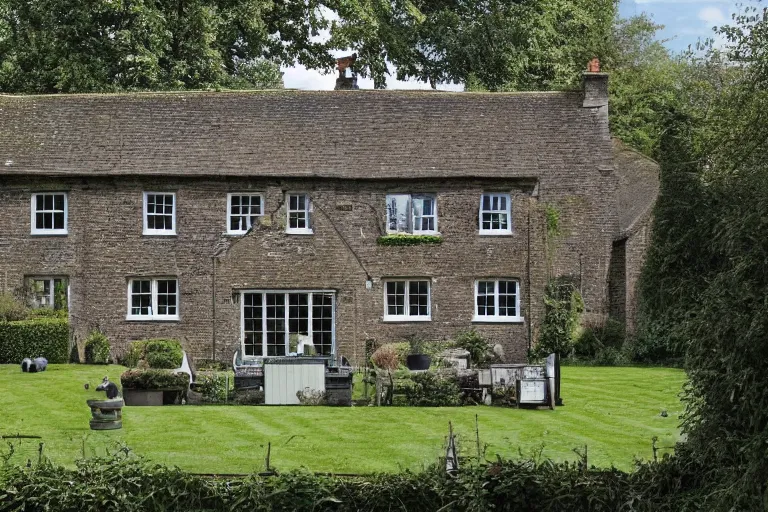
507,298
58,220
252,316
322,323
166,297
398,213
48,202
485,298
58,202
396,297
418,298
275,312
298,313
141,297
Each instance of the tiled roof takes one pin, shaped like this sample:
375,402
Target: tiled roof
344,134
638,185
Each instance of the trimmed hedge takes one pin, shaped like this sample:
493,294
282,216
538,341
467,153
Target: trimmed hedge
157,353
404,239
126,482
153,379
41,337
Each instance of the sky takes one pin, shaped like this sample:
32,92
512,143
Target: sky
685,22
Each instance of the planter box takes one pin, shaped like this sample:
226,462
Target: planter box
136,397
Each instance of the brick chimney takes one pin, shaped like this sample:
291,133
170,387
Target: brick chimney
595,86
344,82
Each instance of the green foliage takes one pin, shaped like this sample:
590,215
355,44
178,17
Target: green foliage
553,221
596,336
122,480
47,313
416,345
97,348
705,283
153,379
54,46
213,386
431,389
44,337
249,397
12,310
404,239
156,353
480,351
309,396
562,310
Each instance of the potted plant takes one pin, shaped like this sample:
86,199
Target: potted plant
153,386
417,359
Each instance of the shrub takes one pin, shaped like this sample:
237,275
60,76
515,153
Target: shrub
11,310
431,389
153,379
47,313
595,336
158,353
43,337
416,345
563,306
249,397
97,348
213,386
386,357
480,352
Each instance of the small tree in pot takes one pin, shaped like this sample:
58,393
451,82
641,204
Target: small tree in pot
417,358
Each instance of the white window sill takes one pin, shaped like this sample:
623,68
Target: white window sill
407,318
135,318
153,232
235,233
498,319
492,232
414,233
295,231
44,232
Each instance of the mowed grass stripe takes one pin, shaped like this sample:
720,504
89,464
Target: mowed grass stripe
614,411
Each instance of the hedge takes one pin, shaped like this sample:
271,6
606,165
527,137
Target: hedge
156,353
128,483
40,337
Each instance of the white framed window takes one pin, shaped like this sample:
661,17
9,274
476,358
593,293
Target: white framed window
153,299
412,213
298,214
276,321
495,214
159,213
48,292
497,300
242,210
407,300
49,213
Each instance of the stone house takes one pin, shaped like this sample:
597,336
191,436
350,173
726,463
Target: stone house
246,220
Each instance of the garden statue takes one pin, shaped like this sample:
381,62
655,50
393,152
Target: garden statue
109,387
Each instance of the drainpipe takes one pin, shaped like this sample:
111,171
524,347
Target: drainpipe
213,307
528,271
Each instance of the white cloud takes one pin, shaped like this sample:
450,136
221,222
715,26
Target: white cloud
712,15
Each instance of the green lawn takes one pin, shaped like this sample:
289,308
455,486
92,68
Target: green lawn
615,411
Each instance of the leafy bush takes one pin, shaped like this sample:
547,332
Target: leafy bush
213,386
97,348
47,313
249,397
480,351
416,345
43,337
158,353
11,310
405,239
153,379
597,335
563,306
386,357
430,389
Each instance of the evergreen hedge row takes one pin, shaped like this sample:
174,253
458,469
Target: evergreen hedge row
40,337
127,483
